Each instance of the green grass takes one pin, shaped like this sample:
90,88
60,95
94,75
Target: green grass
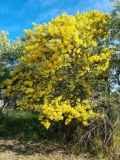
21,125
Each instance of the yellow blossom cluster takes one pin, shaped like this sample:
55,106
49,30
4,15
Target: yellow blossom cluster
59,110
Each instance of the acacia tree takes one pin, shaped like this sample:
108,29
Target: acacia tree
60,62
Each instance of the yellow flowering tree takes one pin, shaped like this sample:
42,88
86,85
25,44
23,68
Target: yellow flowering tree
60,62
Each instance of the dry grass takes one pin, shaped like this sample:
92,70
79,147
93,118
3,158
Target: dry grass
15,150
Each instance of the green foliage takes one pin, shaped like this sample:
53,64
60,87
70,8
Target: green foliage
21,125
115,42
9,54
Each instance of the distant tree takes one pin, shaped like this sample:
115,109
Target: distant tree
115,42
9,53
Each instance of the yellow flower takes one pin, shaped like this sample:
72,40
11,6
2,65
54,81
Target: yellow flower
46,124
67,121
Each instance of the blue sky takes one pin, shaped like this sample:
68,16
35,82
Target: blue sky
17,15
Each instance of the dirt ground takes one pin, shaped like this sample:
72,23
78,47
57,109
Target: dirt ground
16,150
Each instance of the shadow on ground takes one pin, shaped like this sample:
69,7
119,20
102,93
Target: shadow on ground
29,148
